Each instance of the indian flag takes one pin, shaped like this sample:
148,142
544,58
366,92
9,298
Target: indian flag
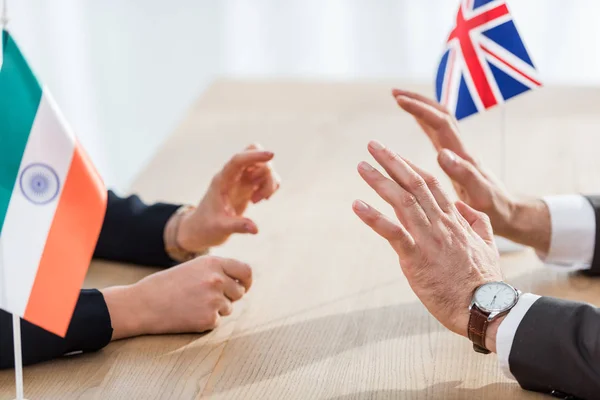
52,201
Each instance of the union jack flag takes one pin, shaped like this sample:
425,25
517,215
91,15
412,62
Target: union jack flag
485,62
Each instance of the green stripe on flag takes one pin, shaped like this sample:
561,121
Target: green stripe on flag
20,95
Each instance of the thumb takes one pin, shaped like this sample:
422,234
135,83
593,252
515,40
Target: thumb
461,171
239,225
479,221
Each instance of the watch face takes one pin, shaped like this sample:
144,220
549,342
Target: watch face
495,297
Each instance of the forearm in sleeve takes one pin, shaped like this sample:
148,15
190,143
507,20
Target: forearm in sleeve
90,330
557,348
134,232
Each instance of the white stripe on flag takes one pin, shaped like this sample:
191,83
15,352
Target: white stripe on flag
27,224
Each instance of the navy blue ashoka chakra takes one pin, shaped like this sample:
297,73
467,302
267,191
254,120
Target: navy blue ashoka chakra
39,183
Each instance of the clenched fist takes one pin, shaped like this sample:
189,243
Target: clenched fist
189,298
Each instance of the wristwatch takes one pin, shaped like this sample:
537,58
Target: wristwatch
490,301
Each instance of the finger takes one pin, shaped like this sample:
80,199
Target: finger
406,206
256,173
462,172
263,192
226,307
258,195
442,134
422,111
233,290
264,178
238,271
406,177
211,321
239,225
267,188
434,186
240,161
275,182
275,185
415,96
394,232
479,221
254,146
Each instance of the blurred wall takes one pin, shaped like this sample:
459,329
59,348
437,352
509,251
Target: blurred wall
125,71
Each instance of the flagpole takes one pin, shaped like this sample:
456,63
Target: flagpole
503,151
505,246
18,356
15,318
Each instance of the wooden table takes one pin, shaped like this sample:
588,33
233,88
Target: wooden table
330,315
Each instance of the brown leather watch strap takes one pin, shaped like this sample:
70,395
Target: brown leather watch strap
478,322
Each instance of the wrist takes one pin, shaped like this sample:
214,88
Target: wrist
491,303
529,224
492,333
181,240
126,310
187,236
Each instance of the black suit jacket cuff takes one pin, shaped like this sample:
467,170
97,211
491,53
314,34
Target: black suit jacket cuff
90,330
557,348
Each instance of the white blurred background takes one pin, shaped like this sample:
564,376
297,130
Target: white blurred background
125,71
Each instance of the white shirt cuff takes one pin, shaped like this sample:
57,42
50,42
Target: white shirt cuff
573,236
508,329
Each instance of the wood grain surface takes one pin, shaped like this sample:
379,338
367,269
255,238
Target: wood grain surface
330,315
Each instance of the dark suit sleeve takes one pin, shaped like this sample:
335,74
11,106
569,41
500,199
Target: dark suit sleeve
133,231
90,330
557,348
595,268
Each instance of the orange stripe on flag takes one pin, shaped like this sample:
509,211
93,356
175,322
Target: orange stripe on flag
69,247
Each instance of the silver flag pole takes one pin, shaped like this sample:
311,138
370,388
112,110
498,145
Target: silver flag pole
16,319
